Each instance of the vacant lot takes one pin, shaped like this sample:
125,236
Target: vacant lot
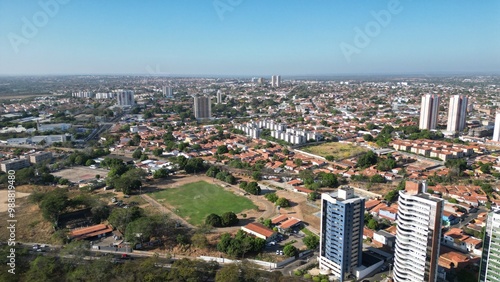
76,174
338,150
194,201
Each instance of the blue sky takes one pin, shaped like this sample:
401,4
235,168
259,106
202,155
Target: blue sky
248,37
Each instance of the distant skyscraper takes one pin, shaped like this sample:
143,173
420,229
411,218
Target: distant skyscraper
125,97
457,113
496,131
275,81
341,243
260,80
429,112
219,97
202,107
418,234
490,261
167,92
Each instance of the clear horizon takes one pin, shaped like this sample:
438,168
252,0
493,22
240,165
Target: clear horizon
249,38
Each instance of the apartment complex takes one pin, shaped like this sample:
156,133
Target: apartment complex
202,107
429,112
341,244
39,157
490,262
418,234
14,164
125,98
457,113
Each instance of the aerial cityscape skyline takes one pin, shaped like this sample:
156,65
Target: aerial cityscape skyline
245,141
223,37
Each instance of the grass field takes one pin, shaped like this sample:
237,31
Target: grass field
337,150
194,201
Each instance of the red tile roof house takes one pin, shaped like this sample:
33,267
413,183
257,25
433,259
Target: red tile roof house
259,231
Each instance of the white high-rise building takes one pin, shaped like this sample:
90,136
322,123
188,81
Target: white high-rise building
429,112
219,97
496,130
490,266
124,98
341,243
202,107
457,113
275,81
418,234
167,92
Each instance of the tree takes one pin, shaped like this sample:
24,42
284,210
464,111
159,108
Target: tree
311,241
253,188
256,175
330,158
268,223
213,220
368,138
157,152
212,171
199,240
486,168
229,219
161,173
224,242
312,196
328,180
272,197
230,179
368,159
229,273
120,218
461,164
290,250
222,149
372,224
283,202
53,203
137,154
377,178
43,268
386,164
140,229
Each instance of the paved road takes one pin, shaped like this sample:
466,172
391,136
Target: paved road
301,263
469,217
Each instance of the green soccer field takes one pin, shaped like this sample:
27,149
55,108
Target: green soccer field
194,201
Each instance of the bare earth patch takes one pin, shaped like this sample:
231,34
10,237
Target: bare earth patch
3,197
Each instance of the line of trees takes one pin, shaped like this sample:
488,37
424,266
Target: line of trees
225,220
251,187
240,245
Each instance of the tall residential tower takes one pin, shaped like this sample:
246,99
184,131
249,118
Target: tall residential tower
490,262
202,107
496,130
429,112
341,244
124,98
418,234
457,113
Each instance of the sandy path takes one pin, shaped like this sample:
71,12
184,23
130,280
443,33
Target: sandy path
3,197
